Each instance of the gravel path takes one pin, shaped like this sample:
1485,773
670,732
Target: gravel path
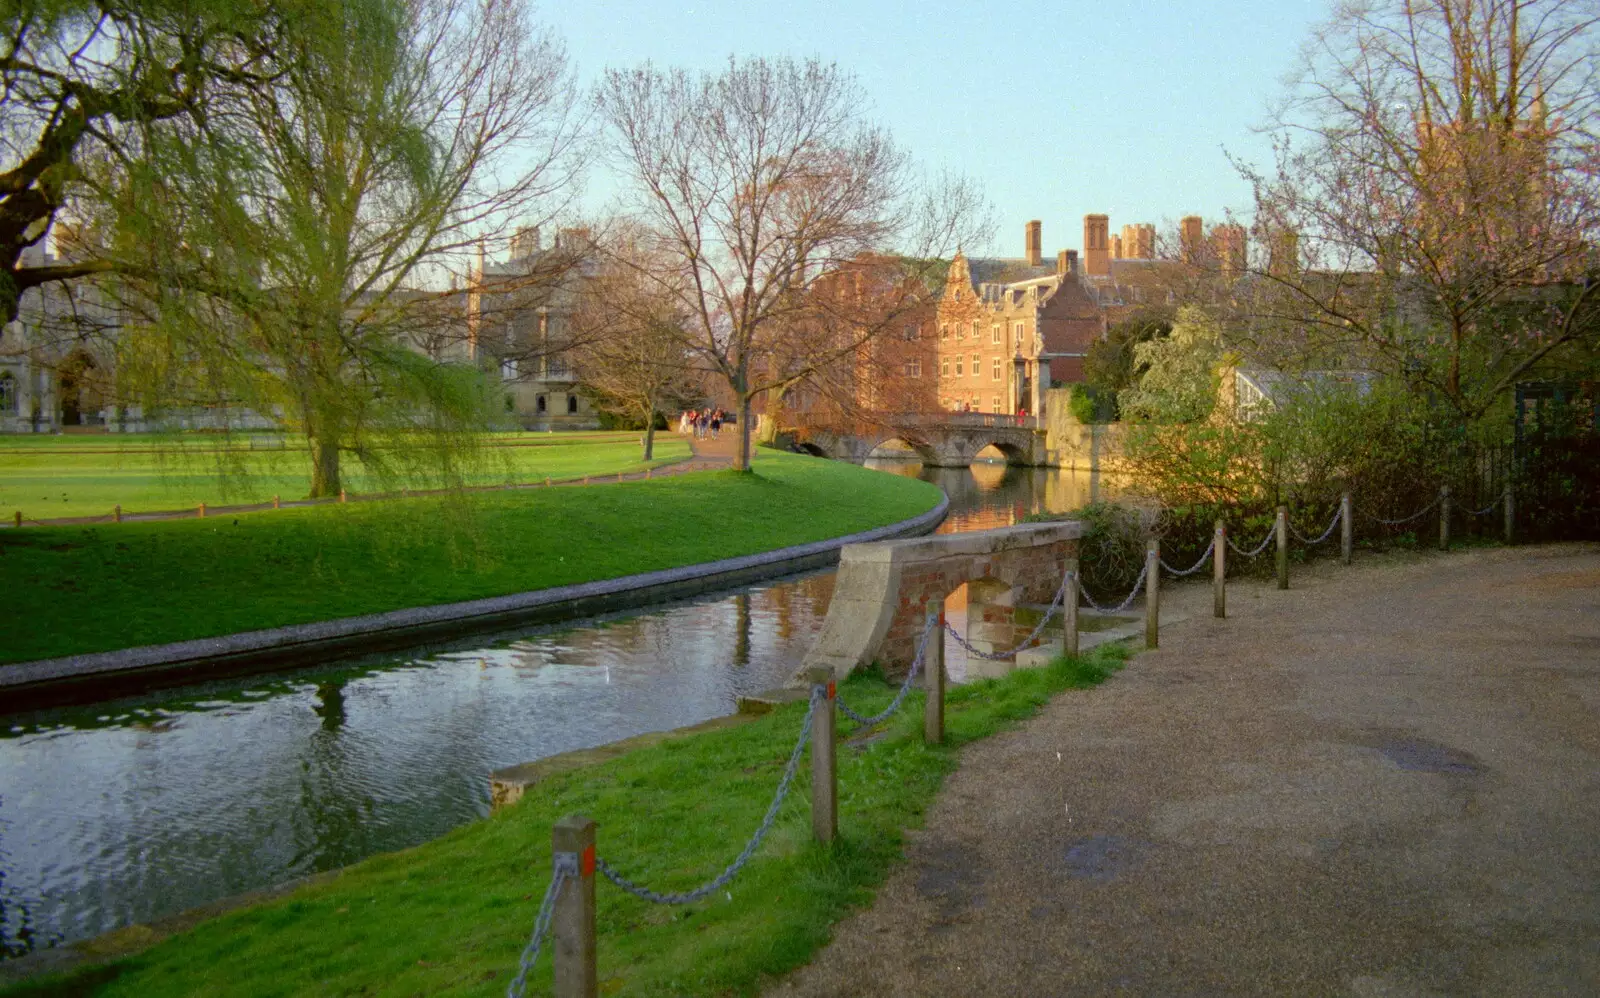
1383,782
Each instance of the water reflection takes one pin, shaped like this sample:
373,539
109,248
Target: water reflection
127,810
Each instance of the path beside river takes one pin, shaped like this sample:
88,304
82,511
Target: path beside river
1385,781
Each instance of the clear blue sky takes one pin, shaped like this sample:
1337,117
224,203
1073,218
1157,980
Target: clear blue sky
1056,109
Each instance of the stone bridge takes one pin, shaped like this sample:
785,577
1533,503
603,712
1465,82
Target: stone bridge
941,440
882,592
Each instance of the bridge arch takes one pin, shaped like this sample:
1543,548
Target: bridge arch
1013,454
807,447
882,591
925,453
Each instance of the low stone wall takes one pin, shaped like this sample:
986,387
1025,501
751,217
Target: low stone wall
881,596
1091,447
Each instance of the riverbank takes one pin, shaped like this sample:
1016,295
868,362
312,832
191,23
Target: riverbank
450,917
83,590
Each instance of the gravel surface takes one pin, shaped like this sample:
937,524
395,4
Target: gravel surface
1383,782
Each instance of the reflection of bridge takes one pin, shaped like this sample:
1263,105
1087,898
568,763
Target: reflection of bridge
940,439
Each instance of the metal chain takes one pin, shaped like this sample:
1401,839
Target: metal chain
565,865
1259,547
817,694
1055,604
1489,508
1405,519
1197,565
905,687
1325,534
1137,585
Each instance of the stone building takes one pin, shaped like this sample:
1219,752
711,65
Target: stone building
518,319
1010,327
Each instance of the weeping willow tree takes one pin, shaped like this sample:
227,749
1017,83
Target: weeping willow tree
275,258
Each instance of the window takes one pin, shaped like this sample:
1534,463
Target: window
8,392
914,368
994,334
944,368
508,368
961,331
995,372
944,332
1016,332
959,369
539,405
556,366
975,333
572,404
996,404
977,368
913,333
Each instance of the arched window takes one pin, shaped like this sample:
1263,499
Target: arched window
572,404
8,392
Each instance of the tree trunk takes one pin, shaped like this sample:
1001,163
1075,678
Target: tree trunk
650,435
741,460
324,468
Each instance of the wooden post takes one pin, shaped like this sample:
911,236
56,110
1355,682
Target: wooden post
18,520
274,502
201,512
1152,594
619,476
341,495
586,479
1511,510
547,481
933,676
649,472
1347,529
1069,610
824,789
1282,530
1219,570
572,921
116,513
1444,518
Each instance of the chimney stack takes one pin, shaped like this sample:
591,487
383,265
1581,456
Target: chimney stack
1189,237
1034,243
1117,247
1096,245
1066,262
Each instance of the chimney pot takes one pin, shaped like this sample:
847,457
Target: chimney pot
1034,243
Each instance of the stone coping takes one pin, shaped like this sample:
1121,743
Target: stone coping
305,644
977,542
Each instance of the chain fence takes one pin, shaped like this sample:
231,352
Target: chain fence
1491,507
1138,584
996,656
1205,557
720,880
1404,519
905,687
1308,542
1258,548
565,865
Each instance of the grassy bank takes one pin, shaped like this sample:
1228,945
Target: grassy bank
451,917
96,588
46,477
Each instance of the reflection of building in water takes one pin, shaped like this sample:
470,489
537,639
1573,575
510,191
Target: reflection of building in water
741,635
330,704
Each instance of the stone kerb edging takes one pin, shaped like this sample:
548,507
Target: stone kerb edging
303,644
866,594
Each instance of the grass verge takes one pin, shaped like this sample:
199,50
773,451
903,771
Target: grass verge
95,588
47,477
451,917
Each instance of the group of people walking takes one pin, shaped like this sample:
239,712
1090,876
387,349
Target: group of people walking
702,422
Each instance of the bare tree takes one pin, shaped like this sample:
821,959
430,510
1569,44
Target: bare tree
1435,202
278,259
757,182
629,340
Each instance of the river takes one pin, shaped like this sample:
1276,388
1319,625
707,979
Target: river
126,810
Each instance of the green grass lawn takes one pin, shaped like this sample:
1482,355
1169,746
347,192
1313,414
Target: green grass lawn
46,477
451,917
73,589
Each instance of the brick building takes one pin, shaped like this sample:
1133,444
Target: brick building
1008,327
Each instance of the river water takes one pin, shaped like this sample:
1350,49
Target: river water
127,810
